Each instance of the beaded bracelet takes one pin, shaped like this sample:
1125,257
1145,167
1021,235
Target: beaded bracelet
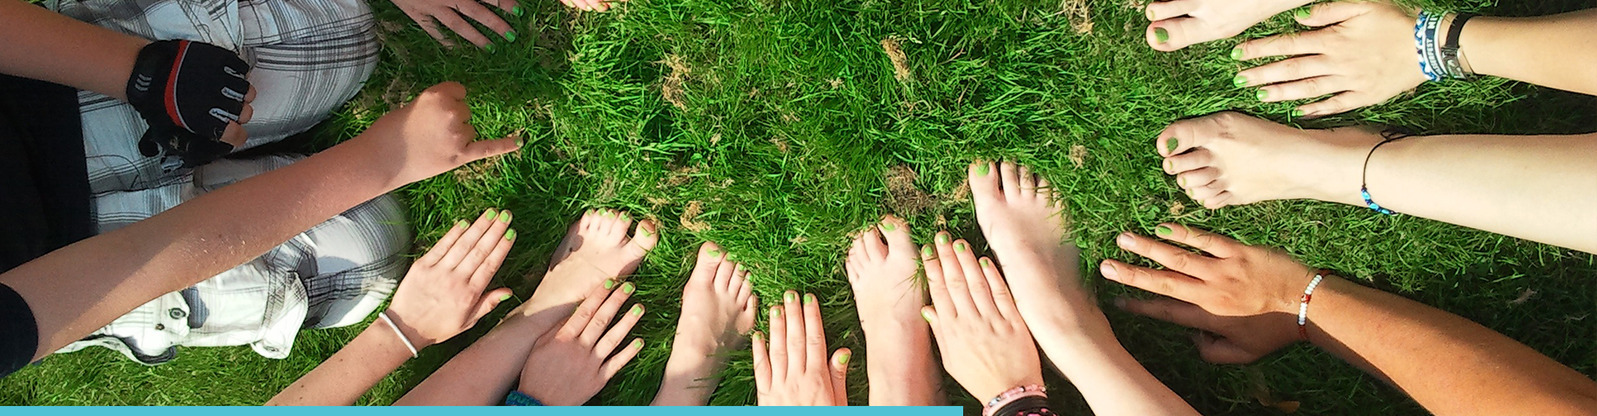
1025,406
516,398
1303,304
1388,136
1420,24
1011,395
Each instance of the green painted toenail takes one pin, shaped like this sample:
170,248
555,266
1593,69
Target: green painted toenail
1239,81
1161,35
942,239
510,235
608,214
1162,231
636,310
986,263
516,10
983,169
644,232
628,287
1171,145
790,297
510,36
809,299
504,216
713,253
1181,181
1236,53
926,315
887,226
1302,13
960,247
1262,94
462,223
609,284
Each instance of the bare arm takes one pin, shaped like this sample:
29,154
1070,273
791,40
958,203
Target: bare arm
350,372
79,288
44,45
1554,51
1086,351
1249,298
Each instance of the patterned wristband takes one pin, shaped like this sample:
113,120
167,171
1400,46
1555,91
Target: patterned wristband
517,398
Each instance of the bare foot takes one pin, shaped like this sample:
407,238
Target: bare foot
1181,23
597,248
718,307
889,297
1232,159
1024,224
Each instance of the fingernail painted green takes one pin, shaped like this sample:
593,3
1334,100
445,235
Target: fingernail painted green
510,235
1302,13
504,216
1297,113
942,239
609,284
637,310
983,169
809,299
629,288
960,247
503,298
462,223
887,226
510,36
1236,53
1162,231
843,358
516,10
790,297
1262,94
1239,81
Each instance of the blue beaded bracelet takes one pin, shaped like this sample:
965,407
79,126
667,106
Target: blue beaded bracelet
517,398
1388,136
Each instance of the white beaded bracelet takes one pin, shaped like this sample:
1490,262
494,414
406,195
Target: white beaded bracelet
408,345
1303,305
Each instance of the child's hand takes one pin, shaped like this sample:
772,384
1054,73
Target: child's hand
431,135
430,13
794,370
984,342
442,295
569,364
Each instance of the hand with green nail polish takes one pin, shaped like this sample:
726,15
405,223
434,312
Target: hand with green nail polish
985,344
793,369
1362,55
428,136
1181,23
452,14
572,362
442,295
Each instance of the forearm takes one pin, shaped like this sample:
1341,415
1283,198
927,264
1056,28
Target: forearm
1538,188
1553,51
903,371
1448,364
47,46
1113,382
79,288
485,372
348,374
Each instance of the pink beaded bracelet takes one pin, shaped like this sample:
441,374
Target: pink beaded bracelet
1011,395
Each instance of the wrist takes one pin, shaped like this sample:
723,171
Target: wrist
409,333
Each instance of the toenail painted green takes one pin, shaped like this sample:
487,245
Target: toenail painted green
521,142
644,232
510,36
609,284
1162,231
713,253
942,239
636,310
927,315
504,216
1161,35
1262,94
887,226
516,10
510,235
608,214
986,263
842,359
1302,13
462,223
1236,53
809,299
960,247
503,298
1239,81
1171,145
790,297
983,169
1181,180
628,287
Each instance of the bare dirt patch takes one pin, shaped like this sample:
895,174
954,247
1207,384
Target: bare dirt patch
902,195
690,217
1078,155
895,53
672,87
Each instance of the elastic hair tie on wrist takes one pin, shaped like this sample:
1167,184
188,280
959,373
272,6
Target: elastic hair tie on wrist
1388,136
401,334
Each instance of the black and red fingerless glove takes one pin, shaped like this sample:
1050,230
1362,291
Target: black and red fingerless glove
187,92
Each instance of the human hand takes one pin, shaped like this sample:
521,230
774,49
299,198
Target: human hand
431,135
197,119
572,362
1234,280
429,13
794,370
1181,23
984,342
1362,55
1222,339
442,295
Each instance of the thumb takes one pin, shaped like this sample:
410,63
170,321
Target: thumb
1330,13
489,301
1219,350
235,134
840,377
483,149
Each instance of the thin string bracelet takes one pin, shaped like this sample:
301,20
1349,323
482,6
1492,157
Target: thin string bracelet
1303,304
401,334
1388,136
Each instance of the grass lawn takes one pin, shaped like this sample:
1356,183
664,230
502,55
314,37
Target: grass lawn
778,128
